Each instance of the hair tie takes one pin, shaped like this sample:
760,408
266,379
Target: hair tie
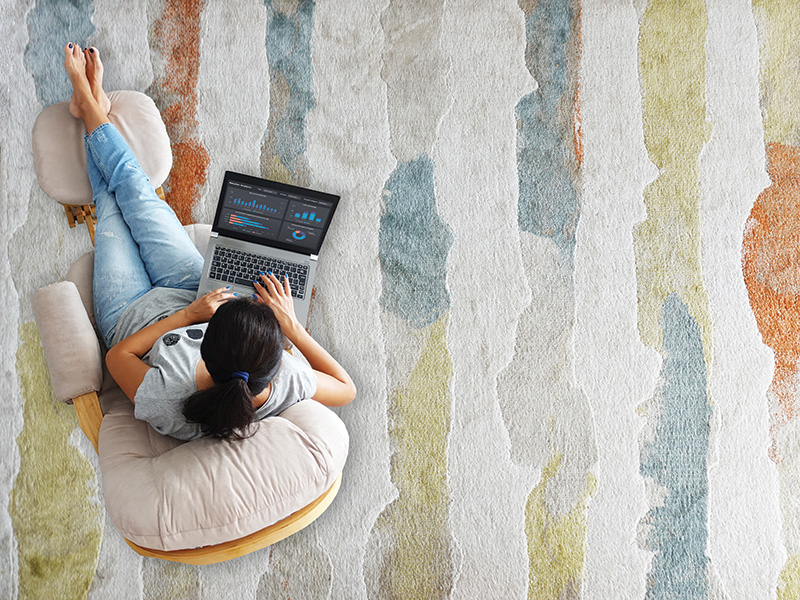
241,375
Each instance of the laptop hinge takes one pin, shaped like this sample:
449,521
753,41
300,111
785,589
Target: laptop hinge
214,234
314,256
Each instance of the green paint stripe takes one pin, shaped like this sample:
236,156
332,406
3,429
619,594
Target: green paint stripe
418,563
667,245
778,24
57,523
789,581
556,545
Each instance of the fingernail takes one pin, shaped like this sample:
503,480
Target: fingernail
236,294
228,287
270,272
286,275
261,272
255,296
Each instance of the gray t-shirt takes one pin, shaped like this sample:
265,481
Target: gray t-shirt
174,357
155,305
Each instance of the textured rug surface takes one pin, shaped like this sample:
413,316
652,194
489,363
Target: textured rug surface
565,276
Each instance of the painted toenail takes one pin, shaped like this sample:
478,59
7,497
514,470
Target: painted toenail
70,45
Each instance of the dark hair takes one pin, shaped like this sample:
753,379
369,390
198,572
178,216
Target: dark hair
243,335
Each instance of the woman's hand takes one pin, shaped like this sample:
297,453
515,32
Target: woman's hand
278,296
202,309
334,386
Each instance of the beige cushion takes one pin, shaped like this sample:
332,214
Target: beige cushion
59,155
70,344
167,495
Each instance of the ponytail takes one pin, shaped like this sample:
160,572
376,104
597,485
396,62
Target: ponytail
242,350
225,410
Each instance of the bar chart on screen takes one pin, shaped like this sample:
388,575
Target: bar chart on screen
308,212
242,221
254,205
310,217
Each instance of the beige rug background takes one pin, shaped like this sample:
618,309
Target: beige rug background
561,275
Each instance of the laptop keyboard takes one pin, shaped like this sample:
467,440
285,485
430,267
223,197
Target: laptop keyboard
240,267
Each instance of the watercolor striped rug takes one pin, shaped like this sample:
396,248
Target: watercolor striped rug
565,276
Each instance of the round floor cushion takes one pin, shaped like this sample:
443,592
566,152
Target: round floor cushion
59,155
170,495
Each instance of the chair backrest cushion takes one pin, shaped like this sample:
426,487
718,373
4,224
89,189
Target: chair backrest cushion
168,495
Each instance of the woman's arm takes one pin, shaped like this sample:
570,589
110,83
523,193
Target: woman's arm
124,360
334,386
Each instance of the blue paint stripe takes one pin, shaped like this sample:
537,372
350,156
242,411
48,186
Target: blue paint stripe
289,55
547,164
51,25
413,245
678,460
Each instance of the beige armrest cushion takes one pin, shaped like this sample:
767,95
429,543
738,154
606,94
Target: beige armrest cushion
69,341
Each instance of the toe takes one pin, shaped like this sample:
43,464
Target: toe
72,51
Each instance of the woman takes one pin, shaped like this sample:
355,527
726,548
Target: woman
192,367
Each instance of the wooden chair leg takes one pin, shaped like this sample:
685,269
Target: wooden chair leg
90,415
77,215
70,215
91,219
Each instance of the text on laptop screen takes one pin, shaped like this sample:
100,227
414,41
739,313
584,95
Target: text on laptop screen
289,218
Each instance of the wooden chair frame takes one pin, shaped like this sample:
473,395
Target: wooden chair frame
80,214
90,416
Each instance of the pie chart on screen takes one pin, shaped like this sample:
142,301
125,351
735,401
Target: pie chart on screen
298,235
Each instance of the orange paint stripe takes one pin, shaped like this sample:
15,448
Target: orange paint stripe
771,267
577,123
176,36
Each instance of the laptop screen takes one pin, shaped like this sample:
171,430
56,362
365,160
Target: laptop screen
275,214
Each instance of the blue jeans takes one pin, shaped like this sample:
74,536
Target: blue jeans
139,242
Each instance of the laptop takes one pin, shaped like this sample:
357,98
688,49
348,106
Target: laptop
264,225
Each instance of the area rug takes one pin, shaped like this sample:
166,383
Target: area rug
565,276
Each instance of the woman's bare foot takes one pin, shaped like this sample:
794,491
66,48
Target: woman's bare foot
75,63
83,104
94,73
